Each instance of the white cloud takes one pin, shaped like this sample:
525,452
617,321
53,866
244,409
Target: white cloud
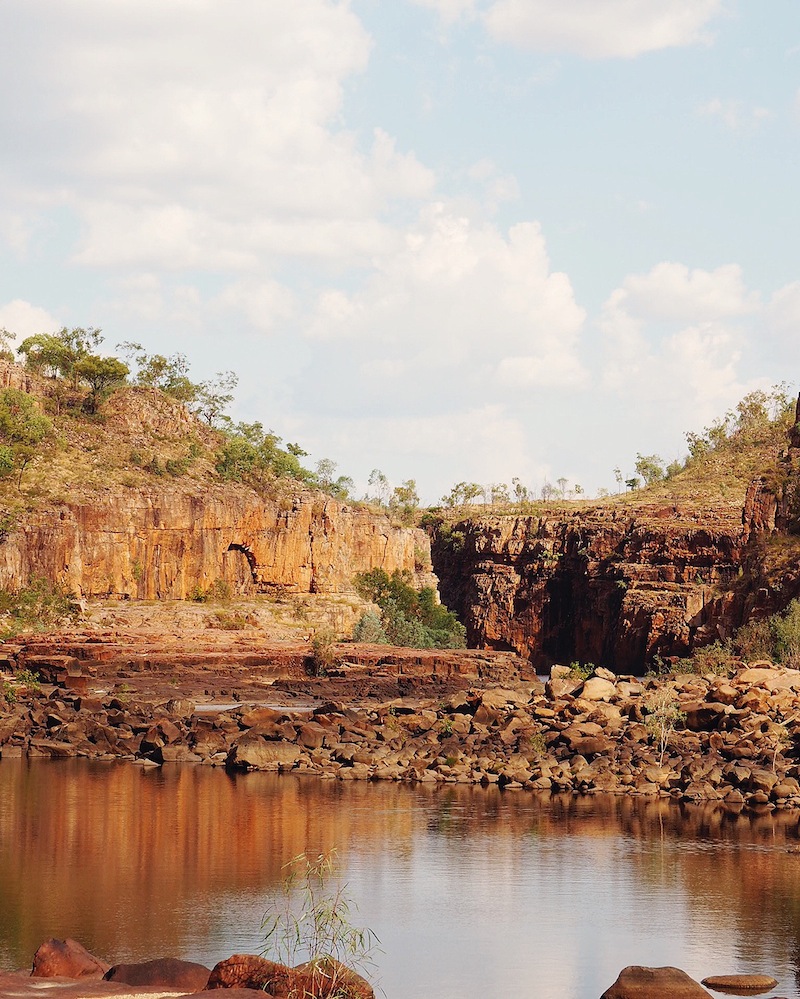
24,319
674,339
673,292
458,295
601,28
209,140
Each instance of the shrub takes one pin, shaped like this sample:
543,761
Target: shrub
323,652
37,607
311,920
410,618
663,717
786,635
369,630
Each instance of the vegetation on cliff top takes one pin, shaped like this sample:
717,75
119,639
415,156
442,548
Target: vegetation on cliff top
86,421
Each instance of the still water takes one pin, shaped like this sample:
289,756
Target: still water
474,893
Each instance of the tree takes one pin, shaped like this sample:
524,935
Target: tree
102,375
649,467
405,500
461,494
499,494
632,483
547,491
521,492
55,355
379,485
22,429
168,374
562,485
214,396
250,453
618,478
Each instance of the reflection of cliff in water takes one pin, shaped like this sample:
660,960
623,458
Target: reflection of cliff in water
138,863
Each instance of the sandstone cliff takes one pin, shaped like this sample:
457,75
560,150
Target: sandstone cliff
100,513
618,584
167,542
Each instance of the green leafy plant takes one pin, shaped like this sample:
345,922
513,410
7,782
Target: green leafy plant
37,607
581,671
311,920
28,678
9,693
409,617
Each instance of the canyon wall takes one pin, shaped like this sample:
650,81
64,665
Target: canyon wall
170,542
619,584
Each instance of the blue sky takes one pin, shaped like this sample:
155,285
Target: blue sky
450,239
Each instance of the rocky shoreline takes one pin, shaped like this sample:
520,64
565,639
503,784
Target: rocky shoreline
67,970
686,736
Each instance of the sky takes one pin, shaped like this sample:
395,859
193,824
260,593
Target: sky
454,240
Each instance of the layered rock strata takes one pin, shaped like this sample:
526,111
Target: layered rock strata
620,584
171,542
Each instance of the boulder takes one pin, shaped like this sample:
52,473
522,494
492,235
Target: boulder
742,984
252,752
66,959
163,971
635,982
328,977
247,971
598,689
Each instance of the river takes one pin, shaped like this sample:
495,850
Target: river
473,892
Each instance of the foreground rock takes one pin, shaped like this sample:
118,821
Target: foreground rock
168,972
751,985
73,973
636,982
66,959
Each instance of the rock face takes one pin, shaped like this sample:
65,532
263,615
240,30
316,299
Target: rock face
169,542
619,584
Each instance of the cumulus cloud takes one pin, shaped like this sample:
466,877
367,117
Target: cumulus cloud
465,298
208,139
675,337
25,319
600,28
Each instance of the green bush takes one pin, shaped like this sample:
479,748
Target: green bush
323,652
410,618
37,607
369,630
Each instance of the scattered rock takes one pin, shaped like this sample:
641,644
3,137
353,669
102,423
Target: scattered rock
66,958
168,972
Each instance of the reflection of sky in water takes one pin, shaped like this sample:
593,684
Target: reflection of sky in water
472,893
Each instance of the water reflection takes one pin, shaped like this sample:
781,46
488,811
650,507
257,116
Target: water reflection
473,892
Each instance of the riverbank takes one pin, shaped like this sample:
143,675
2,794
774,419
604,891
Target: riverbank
407,715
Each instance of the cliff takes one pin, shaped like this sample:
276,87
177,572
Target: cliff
128,503
168,542
621,583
